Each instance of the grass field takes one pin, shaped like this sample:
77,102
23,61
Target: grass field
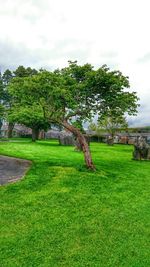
60,214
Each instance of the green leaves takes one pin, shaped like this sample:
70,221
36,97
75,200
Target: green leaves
73,91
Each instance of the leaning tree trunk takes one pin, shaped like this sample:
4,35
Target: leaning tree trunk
10,129
0,126
35,134
78,145
83,143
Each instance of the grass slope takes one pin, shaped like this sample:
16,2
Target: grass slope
60,214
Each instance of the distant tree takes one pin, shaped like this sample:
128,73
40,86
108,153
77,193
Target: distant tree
1,101
95,130
79,125
6,78
1,89
92,126
21,71
75,91
1,86
32,117
112,124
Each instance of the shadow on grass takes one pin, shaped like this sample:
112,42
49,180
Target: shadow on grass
52,144
41,174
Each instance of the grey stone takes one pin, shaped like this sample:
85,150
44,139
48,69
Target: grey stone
141,149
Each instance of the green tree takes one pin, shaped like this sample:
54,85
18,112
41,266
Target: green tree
21,71
6,78
27,113
1,101
95,130
1,87
76,92
112,124
30,116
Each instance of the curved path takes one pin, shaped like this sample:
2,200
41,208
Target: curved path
12,169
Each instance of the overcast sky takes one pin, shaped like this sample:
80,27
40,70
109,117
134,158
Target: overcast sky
48,33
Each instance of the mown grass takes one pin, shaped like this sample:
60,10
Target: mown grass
60,214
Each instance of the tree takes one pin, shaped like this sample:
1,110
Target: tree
32,117
7,77
24,109
21,71
75,92
95,131
1,101
1,88
112,124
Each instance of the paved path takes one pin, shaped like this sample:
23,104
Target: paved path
12,169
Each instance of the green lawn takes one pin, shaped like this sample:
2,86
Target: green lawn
60,214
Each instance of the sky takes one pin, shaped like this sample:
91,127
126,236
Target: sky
48,33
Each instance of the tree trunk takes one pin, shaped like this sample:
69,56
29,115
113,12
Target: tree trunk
110,140
35,134
0,126
41,134
10,129
78,144
83,143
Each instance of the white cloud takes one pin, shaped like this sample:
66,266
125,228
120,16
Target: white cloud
47,33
